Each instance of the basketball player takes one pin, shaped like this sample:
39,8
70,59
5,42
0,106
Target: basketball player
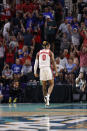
44,59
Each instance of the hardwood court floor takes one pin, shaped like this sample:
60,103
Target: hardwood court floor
37,117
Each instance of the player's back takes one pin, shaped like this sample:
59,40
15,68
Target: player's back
44,58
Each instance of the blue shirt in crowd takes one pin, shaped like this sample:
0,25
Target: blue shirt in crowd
70,67
16,68
69,18
48,14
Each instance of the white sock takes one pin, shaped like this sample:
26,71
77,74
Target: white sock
48,95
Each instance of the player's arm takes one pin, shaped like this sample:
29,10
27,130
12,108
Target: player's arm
36,65
53,62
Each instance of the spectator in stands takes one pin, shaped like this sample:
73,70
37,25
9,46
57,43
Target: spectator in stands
37,40
19,6
63,59
83,26
7,10
58,13
47,13
83,58
50,31
40,25
75,38
30,20
66,54
65,44
70,69
2,55
9,56
26,55
60,70
28,37
63,26
27,68
83,33
26,71
74,2
29,6
75,23
69,17
70,66
20,54
76,63
7,75
25,49
16,20
15,91
69,32
6,30
13,42
80,85
81,6
20,40
17,68
85,15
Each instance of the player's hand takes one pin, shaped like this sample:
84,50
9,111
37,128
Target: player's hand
56,74
36,75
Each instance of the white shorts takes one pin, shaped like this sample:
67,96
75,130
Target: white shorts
83,69
46,74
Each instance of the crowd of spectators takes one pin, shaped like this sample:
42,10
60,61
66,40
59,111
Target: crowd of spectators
24,26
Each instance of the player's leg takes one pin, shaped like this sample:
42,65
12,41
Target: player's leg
44,88
51,85
43,78
44,91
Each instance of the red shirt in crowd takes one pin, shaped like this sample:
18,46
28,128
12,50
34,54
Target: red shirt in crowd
29,7
22,61
83,59
37,39
20,44
84,36
10,58
19,7
9,55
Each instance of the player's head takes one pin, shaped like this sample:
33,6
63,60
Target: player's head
46,44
